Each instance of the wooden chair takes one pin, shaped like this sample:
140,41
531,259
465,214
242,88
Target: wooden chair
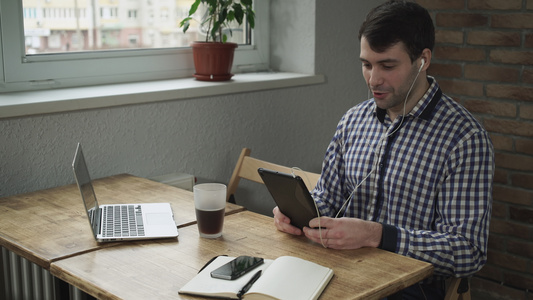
247,166
458,289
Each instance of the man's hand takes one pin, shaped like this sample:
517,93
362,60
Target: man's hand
344,233
283,223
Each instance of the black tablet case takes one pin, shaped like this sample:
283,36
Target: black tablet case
291,195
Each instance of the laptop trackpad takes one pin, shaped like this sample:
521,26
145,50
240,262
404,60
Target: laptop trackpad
158,219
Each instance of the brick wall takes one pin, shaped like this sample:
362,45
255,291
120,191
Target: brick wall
483,58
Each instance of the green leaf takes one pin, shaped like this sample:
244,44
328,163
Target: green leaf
251,18
184,21
214,31
222,15
212,10
194,7
231,15
186,27
224,3
239,13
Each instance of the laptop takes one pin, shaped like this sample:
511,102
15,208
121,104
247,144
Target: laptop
118,222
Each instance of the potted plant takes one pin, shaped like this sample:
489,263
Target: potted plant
213,58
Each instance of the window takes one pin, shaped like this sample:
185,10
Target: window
132,14
63,43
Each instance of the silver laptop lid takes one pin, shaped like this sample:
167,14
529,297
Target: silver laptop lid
81,173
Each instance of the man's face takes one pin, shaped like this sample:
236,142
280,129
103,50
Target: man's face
389,76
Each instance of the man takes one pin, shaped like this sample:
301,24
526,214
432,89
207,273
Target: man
410,170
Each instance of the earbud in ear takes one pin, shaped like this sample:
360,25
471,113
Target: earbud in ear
422,65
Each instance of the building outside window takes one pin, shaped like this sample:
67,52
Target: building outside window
67,41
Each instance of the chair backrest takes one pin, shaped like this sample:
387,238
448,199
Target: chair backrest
247,166
458,289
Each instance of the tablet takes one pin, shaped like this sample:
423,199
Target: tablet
291,195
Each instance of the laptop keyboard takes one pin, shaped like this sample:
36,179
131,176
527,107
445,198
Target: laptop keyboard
122,221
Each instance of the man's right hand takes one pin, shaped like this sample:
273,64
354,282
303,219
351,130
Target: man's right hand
283,223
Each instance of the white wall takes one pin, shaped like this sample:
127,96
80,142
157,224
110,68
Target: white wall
291,126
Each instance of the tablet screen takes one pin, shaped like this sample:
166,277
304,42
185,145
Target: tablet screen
291,196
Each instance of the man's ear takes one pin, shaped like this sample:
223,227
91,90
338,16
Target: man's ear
425,58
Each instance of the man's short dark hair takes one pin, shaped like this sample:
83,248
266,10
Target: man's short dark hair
399,21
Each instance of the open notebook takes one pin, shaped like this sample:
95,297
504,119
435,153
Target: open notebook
286,277
116,222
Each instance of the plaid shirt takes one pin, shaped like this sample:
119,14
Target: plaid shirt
429,182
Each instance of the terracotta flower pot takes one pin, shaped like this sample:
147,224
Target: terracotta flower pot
213,61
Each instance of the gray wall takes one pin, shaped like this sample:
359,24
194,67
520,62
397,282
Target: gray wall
204,136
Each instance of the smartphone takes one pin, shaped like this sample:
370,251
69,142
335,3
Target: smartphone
237,267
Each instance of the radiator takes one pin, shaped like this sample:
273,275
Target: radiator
21,279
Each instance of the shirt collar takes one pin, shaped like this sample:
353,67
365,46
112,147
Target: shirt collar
425,106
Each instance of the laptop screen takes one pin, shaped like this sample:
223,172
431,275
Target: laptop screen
86,188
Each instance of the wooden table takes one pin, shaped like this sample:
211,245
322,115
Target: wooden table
158,269
46,226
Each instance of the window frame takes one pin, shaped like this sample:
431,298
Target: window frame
21,72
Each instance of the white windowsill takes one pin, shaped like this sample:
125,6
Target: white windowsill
69,99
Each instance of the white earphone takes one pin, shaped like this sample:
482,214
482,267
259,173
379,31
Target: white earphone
422,65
